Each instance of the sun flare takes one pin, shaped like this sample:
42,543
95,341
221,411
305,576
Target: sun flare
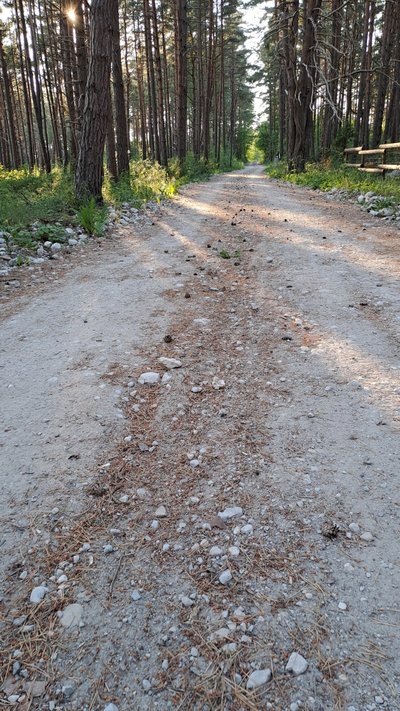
71,14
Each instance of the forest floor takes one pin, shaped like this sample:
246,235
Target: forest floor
178,537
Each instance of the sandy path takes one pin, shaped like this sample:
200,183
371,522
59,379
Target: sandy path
302,326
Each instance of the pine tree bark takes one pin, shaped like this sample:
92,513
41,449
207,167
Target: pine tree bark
10,120
119,103
89,168
181,33
388,40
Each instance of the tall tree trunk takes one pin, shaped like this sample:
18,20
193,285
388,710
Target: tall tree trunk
119,103
15,156
388,40
181,88
89,168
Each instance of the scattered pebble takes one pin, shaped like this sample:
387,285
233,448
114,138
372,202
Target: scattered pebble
38,594
161,512
225,577
230,512
258,678
149,378
367,536
296,664
170,363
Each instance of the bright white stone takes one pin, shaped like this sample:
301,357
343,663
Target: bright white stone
258,678
161,512
149,378
218,383
296,664
38,594
216,550
230,512
247,528
225,577
170,363
367,536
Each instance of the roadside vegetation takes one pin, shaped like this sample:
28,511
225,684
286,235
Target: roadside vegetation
39,205
325,176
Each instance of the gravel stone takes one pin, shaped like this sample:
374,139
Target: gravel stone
38,594
230,512
296,664
225,577
258,678
149,378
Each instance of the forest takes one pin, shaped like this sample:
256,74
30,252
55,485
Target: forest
92,87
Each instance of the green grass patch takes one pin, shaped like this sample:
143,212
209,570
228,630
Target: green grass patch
324,177
29,197
47,201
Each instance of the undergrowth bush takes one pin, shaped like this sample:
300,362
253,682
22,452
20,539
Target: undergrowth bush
36,197
27,197
92,217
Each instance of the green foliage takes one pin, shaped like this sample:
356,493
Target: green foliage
146,181
267,140
27,197
324,177
49,233
92,217
224,254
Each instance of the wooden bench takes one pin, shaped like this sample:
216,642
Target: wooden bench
374,160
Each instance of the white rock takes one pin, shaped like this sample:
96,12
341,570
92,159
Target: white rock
55,247
218,383
111,707
229,648
146,684
186,601
194,463
124,499
38,594
201,321
342,606
161,512
165,664
234,551
142,493
135,595
247,528
215,550
166,378
230,512
108,548
71,616
296,664
149,378
72,242
258,678
225,577
367,536
196,389
354,527
170,363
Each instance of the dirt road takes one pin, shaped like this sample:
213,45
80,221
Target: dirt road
283,417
